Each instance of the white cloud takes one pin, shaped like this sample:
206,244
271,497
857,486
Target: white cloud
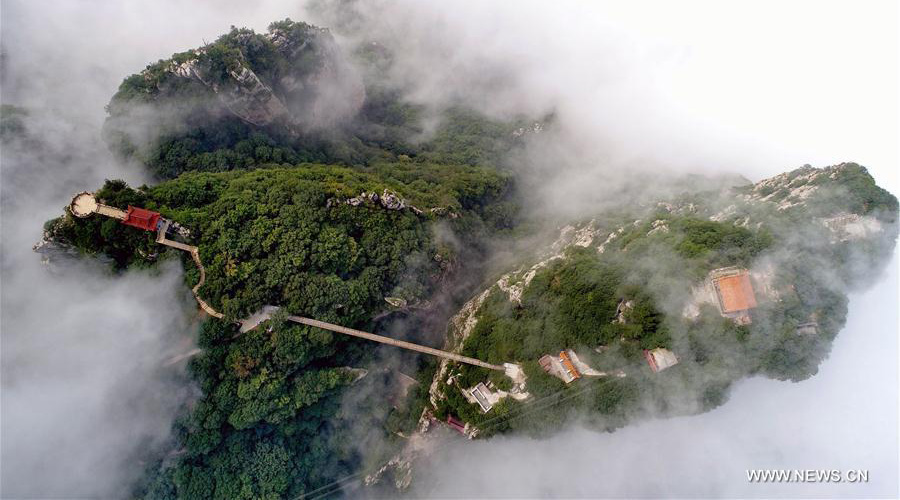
748,87
86,389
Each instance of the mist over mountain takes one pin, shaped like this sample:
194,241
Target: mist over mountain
539,194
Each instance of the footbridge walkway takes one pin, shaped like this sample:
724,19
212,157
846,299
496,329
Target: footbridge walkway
394,342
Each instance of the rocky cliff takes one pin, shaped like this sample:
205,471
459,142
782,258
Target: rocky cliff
294,76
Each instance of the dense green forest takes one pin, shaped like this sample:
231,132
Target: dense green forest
281,209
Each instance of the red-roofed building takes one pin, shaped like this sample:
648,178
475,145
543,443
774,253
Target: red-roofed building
567,364
735,296
735,293
456,424
141,218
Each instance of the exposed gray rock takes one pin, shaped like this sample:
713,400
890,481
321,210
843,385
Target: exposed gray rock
387,200
251,100
318,89
391,201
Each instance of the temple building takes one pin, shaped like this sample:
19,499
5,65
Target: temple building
659,359
560,366
734,293
141,218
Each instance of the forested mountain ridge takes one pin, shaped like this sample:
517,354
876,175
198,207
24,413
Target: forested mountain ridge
287,96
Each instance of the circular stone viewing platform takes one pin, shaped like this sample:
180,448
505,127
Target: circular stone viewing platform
83,204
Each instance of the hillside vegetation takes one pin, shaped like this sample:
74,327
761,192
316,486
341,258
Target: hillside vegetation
624,284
